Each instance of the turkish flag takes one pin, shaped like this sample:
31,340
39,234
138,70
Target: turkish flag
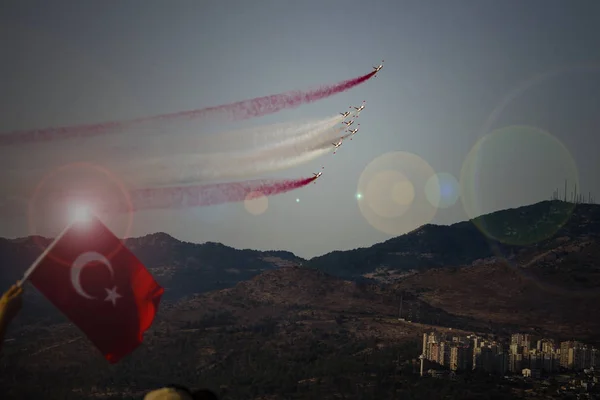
89,275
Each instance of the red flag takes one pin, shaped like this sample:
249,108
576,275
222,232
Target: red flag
89,275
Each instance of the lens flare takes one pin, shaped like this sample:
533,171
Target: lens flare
512,167
80,213
71,192
256,203
442,190
392,195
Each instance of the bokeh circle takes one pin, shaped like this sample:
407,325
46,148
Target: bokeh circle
506,169
442,190
391,193
256,203
522,87
74,185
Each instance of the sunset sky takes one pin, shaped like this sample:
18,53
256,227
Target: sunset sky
507,92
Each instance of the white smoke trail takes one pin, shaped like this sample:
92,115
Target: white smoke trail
311,135
126,158
135,149
225,166
296,131
280,162
257,138
230,173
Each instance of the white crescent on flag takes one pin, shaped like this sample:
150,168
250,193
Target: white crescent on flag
78,265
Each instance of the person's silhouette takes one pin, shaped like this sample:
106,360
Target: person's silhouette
179,392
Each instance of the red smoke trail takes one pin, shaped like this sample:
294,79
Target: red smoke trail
210,194
236,111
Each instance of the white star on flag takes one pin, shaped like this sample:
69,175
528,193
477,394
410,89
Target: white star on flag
112,295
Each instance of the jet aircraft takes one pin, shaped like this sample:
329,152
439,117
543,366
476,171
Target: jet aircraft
353,131
336,146
378,68
359,109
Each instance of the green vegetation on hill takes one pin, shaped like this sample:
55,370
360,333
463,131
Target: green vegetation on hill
528,225
427,247
504,232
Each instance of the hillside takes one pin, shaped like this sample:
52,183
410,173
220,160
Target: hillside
182,268
287,333
274,294
555,291
186,268
434,246
277,330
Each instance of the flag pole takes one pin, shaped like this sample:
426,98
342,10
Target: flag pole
47,250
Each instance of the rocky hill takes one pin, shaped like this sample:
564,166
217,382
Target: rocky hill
280,330
507,233
556,291
182,268
287,333
274,294
186,268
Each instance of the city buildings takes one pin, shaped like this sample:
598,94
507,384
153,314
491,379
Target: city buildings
520,355
578,356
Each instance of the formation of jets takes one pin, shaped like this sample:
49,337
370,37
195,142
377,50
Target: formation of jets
351,122
346,114
352,132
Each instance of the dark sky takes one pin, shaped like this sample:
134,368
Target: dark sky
500,98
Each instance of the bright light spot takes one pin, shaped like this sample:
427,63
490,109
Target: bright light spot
392,193
359,196
442,190
297,200
81,213
403,193
256,203
389,194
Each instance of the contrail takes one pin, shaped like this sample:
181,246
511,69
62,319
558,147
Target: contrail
240,110
308,134
293,156
210,194
243,164
172,197
259,137
301,131
135,171
153,149
177,197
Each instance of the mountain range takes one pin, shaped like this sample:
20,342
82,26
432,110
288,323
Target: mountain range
186,268
286,324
